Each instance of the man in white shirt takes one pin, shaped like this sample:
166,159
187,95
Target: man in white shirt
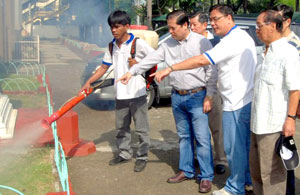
235,57
287,13
198,24
131,100
276,96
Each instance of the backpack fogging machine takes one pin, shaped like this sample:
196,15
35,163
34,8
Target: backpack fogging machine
68,105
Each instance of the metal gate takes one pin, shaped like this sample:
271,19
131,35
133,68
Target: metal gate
27,49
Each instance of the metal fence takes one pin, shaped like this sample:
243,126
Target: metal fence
27,49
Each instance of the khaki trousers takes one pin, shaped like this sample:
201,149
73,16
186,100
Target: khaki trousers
266,168
215,125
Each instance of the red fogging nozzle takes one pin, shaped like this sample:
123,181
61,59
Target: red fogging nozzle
65,108
46,122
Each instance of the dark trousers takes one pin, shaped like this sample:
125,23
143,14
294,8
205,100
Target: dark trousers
290,183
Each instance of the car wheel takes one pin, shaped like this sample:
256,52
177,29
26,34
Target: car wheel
150,96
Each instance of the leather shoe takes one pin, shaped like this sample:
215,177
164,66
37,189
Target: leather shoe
179,177
220,169
204,186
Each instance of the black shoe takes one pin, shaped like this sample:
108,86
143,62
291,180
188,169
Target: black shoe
220,169
118,160
140,165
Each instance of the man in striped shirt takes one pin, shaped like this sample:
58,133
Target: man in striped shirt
287,14
276,96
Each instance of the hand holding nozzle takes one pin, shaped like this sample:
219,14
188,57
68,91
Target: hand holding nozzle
67,106
85,90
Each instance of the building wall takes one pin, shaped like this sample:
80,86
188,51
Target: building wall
2,29
10,25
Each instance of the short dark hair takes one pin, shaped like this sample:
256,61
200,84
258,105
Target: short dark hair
118,17
181,16
202,16
223,9
287,11
274,17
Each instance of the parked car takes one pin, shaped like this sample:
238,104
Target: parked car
163,89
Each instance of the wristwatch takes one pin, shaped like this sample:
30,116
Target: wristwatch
291,116
172,69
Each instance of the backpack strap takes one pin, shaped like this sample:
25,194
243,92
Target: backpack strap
110,47
133,48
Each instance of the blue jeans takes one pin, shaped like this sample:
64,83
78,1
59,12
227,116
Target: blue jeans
236,129
192,124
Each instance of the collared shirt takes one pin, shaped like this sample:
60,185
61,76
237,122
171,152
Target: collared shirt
294,40
208,35
235,57
136,87
277,73
171,52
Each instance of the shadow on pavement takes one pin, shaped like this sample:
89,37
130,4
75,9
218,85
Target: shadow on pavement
166,149
99,104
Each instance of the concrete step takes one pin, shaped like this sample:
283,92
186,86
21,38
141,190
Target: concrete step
10,128
4,101
5,110
6,115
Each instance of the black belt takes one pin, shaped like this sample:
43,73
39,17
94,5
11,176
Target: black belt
185,92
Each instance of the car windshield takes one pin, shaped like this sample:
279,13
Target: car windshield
248,26
164,36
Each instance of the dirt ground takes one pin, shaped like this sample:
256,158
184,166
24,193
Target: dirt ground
91,175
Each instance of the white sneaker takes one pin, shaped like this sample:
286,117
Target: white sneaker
248,188
221,192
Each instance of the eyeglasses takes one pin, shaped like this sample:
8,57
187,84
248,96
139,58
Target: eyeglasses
216,19
259,26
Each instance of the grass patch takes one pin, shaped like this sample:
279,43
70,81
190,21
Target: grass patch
28,101
14,82
29,173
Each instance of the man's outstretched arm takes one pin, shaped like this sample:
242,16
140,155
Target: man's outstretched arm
191,63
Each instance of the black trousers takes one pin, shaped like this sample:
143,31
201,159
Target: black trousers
290,183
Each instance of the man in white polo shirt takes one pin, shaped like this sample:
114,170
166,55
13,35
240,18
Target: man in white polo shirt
235,57
131,100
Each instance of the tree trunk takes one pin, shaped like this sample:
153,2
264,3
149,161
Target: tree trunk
272,3
149,14
297,5
245,4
